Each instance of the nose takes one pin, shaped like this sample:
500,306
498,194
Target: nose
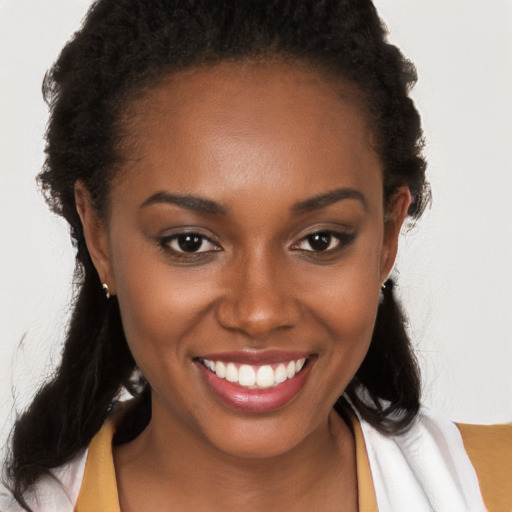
258,299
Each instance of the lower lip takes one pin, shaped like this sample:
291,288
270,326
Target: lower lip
255,400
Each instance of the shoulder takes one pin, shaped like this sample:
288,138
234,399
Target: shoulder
423,468
57,491
490,450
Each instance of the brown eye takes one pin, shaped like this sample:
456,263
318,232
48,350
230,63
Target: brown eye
320,241
324,241
189,243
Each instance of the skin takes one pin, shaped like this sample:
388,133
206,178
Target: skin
257,139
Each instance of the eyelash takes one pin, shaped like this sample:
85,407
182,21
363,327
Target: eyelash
343,240
324,236
167,244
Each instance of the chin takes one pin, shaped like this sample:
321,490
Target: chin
260,440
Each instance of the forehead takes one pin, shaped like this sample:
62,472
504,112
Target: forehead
240,126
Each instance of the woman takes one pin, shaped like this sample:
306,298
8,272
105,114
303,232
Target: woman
236,175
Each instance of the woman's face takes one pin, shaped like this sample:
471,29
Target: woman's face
247,238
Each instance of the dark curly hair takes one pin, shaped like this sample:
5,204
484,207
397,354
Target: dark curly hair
126,46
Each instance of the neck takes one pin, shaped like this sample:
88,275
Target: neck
180,464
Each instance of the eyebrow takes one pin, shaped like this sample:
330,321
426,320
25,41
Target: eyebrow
203,205
324,200
197,204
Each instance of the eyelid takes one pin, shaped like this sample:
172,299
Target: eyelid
203,240
344,236
164,241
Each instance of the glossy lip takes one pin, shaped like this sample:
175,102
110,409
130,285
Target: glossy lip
256,400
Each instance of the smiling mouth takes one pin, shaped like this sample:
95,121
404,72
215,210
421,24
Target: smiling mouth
255,376
256,382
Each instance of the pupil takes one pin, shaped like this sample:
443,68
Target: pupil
319,241
189,243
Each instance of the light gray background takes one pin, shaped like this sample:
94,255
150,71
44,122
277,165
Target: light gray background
454,266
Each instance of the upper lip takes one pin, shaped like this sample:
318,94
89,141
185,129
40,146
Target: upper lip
256,357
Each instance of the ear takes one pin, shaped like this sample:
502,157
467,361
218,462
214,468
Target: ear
394,217
96,235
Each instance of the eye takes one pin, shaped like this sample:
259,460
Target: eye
189,243
323,241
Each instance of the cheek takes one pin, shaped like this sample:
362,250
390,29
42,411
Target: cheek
353,325
349,293
161,310
347,303
352,320
159,304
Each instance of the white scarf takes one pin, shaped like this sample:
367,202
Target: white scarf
425,469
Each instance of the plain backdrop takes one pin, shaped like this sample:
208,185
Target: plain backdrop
454,267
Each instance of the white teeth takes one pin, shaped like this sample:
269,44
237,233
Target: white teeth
265,377
259,377
280,374
246,376
231,373
220,369
290,369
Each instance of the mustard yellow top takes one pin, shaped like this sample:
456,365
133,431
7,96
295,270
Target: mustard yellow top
490,450
488,447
